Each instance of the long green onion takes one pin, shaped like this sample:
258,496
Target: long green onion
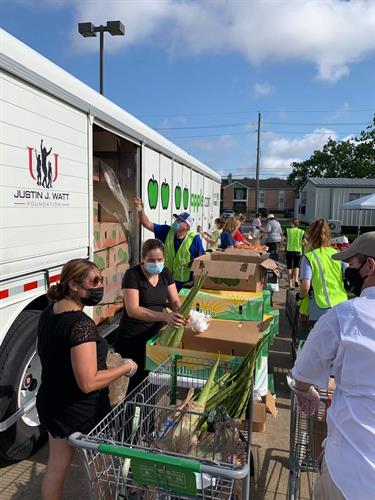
171,336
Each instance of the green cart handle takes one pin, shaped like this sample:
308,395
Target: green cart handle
78,440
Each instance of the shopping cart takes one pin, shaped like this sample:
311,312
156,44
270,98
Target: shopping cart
307,434
125,456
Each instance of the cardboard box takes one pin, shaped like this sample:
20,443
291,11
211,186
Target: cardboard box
232,339
101,259
95,210
223,304
119,254
112,284
233,275
106,216
260,410
108,234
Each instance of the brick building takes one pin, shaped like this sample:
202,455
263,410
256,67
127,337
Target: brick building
275,195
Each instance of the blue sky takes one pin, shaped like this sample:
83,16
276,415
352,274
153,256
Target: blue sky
201,70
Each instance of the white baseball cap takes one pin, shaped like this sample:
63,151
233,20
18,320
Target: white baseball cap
270,216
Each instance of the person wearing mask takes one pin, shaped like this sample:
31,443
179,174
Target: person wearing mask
148,289
274,235
73,395
182,245
342,344
227,239
322,282
213,239
295,238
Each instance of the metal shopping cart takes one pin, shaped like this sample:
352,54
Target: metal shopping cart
307,434
125,456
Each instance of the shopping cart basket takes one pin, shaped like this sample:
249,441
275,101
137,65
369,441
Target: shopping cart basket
306,436
125,456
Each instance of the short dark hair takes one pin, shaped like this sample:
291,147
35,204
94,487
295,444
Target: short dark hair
151,244
362,258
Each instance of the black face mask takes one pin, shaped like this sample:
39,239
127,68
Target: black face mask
95,295
353,281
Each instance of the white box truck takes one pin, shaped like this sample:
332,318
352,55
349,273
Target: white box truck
54,133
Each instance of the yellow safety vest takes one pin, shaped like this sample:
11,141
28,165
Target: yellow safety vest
294,237
178,263
327,282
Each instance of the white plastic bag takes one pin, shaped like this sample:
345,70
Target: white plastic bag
199,322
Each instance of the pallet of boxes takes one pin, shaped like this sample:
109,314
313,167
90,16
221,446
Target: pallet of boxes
111,256
233,295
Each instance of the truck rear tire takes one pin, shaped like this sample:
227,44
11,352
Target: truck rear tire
17,361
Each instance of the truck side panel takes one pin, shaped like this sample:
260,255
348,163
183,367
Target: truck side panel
43,178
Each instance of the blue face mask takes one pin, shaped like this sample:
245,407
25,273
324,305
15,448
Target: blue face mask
175,226
154,268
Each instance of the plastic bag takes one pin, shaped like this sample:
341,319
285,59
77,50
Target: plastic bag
199,322
119,387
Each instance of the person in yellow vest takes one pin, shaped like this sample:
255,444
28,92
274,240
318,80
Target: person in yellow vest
322,282
181,244
294,249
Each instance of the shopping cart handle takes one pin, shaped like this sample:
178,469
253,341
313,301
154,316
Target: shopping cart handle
78,440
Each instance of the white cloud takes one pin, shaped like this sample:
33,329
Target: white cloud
280,152
262,89
330,34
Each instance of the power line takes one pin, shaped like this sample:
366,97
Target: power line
224,125
242,112
202,136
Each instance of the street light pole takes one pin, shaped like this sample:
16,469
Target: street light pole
101,50
257,167
89,30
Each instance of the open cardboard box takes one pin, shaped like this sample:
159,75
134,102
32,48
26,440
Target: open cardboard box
226,337
234,270
260,410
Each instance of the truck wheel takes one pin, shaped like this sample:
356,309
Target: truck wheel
20,377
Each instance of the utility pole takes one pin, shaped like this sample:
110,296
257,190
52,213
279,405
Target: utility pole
257,166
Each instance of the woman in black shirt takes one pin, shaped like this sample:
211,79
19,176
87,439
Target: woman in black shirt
147,289
73,396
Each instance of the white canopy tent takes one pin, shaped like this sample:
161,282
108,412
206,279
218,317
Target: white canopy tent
364,203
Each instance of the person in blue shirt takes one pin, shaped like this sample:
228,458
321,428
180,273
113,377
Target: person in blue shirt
227,236
182,245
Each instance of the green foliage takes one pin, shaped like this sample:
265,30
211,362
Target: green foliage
354,157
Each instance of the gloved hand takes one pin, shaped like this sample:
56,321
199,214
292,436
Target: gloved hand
308,401
133,364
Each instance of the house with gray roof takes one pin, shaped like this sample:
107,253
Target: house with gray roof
324,197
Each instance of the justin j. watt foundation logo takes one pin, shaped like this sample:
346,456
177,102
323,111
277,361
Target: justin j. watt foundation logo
45,177
43,167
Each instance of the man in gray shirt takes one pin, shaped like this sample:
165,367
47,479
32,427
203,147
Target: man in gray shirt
274,236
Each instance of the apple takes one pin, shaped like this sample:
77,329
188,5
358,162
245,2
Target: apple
177,196
153,191
186,198
164,194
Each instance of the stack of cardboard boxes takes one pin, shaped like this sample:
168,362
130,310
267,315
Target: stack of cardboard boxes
111,257
234,296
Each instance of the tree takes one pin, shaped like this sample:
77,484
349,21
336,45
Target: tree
354,157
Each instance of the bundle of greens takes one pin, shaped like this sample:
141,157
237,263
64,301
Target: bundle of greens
172,336
233,389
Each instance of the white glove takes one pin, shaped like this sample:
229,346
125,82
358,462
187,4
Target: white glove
133,365
307,401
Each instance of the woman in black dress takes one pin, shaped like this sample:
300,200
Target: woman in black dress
73,396
147,289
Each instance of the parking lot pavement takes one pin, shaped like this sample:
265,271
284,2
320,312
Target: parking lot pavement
21,481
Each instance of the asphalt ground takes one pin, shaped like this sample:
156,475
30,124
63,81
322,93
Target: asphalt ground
271,449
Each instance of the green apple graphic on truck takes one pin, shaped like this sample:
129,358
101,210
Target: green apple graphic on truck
164,194
186,198
177,196
153,192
